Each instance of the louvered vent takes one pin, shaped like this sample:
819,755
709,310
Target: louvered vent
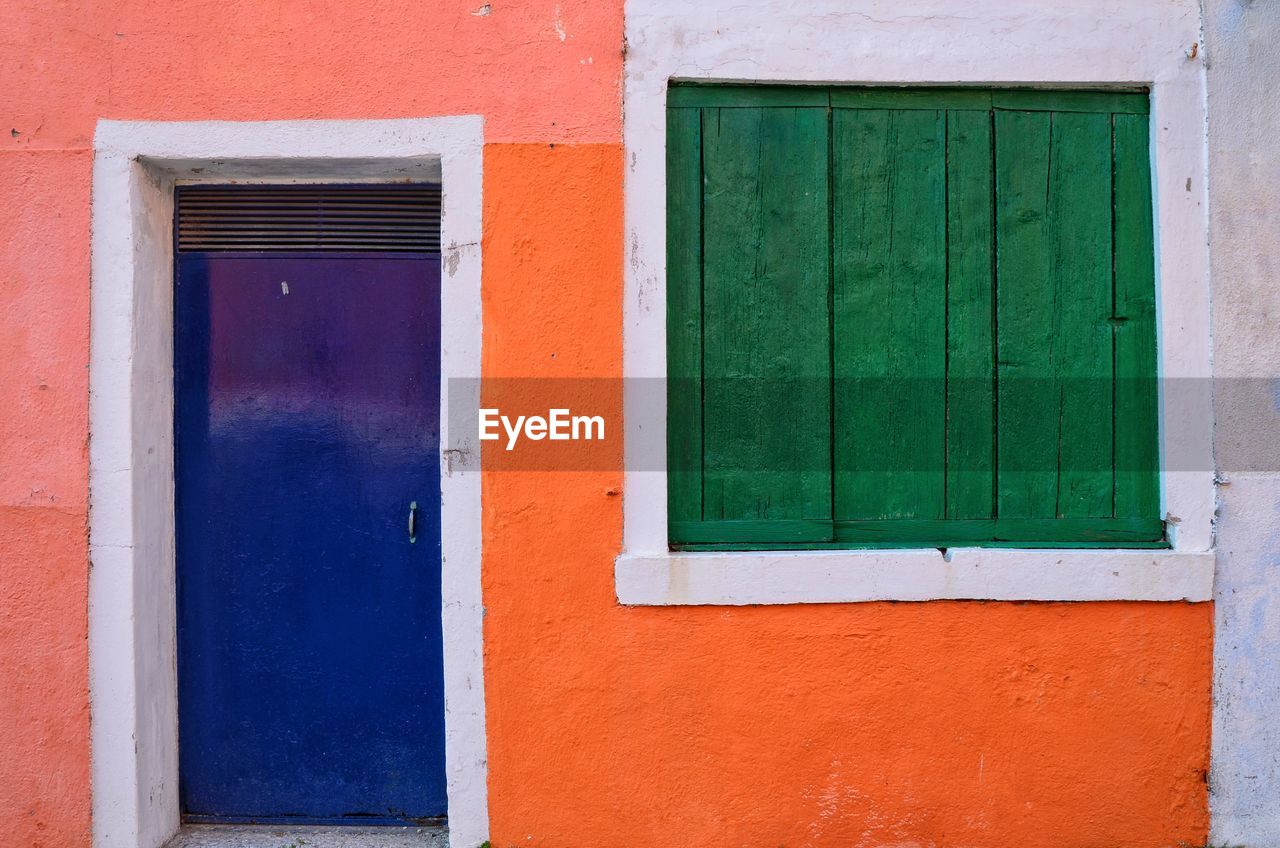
399,217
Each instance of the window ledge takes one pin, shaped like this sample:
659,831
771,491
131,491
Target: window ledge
832,577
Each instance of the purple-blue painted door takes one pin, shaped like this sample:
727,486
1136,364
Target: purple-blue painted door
309,633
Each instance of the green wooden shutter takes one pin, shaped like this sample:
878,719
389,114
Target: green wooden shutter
890,308
684,318
970,382
756,177
1137,455
906,317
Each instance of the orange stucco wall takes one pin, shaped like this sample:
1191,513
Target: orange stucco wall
980,724
947,724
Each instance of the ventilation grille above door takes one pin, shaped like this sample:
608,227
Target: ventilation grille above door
399,218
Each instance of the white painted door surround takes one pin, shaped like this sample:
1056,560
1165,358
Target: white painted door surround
132,680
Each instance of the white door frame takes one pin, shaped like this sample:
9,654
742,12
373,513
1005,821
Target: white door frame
132,620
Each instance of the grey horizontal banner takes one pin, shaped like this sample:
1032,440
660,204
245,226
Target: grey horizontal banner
977,425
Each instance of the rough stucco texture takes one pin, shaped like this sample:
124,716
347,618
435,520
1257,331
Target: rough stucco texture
536,69
44,335
1244,173
876,724
936,724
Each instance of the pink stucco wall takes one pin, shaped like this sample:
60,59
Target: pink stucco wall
538,71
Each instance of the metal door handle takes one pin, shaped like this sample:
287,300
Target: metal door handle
413,520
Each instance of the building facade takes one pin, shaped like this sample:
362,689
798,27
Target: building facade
610,668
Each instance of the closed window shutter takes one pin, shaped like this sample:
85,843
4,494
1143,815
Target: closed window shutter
1137,453
890,302
750,185
970,273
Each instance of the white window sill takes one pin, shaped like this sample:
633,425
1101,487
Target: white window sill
832,577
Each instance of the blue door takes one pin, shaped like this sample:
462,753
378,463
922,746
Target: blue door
308,518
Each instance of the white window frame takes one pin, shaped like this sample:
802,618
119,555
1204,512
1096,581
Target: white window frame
132,617
1043,43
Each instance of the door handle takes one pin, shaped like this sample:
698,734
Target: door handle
413,521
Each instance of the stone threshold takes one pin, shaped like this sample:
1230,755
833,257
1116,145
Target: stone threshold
292,836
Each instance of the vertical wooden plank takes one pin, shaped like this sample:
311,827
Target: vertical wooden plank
889,313
1083,344
766,353
1053,314
1026,423
1137,481
970,352
684,314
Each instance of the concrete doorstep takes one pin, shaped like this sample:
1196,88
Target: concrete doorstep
281,836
